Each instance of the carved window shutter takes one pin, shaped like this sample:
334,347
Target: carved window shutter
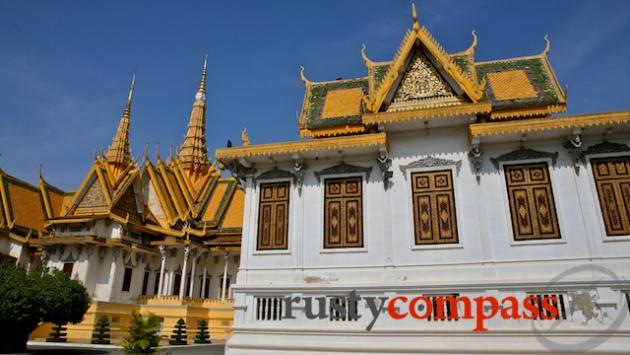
273,216
434,216
612,178
343,213
532,205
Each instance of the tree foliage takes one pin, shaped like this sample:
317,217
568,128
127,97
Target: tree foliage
179,334
142,335
202,333
100,335
26,299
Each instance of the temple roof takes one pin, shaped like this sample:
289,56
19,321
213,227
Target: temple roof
423,86
422,75
24,207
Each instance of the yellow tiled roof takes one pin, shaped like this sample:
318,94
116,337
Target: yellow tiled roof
234,214
26,206
342,103
215,200
511,84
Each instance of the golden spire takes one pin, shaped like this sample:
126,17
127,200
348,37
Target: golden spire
193,151
119,149
414,17
245,138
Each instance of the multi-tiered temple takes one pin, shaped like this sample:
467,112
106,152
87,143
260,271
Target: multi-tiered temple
161,237
437,174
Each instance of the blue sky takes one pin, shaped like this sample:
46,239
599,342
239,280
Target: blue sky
65,66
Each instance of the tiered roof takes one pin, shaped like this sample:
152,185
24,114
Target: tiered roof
424,85
514,88
183,196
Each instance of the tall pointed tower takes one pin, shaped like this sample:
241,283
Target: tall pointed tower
118,155
193,154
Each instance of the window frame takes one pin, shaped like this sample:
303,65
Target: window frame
256,200
122,286
364,213
456,197
508,210
595,196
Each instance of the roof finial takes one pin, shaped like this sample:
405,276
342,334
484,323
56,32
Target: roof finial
157,152
303,77
41,172
146,152
364,56
244,137
201,90
414,17
471,50
548,46
119,150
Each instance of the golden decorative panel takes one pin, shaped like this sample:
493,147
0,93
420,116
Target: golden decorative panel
532,205
421,81
511,84
273,216
343,213
612,177
434,215
342,103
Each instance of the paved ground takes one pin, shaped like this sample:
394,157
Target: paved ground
87,349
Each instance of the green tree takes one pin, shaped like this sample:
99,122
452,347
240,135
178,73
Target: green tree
203,337
57,334
100,335
142,335
179,334
41,296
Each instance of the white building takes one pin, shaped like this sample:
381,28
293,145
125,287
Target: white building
437,175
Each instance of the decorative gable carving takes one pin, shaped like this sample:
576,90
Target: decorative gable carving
421,81
93,197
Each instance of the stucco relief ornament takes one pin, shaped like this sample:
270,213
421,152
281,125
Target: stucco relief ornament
275,173
385,164
240,171
605,147
343,168
162,249
524,154
476,158
574,146
430,162
299,167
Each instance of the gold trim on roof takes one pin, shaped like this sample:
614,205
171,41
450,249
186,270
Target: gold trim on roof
528,112
333,131
549,123
427,113
322,144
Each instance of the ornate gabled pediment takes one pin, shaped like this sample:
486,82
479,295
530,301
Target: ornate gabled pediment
421,85
92,197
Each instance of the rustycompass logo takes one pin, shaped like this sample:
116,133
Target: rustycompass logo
422,307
